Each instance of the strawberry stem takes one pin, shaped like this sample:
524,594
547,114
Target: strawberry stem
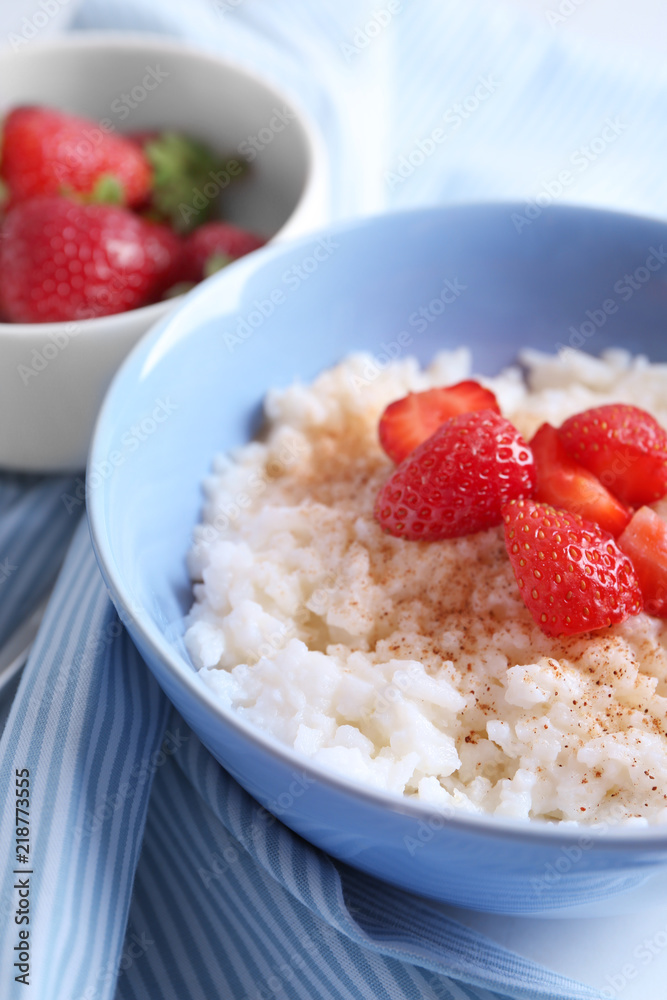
107,190
215,263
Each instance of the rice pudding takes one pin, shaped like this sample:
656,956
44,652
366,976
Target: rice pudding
415,666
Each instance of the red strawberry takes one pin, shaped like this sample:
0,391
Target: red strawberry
143,137
645,542
63,261
456,481
572,575
213,245
562,482
45,151
625,447
409,421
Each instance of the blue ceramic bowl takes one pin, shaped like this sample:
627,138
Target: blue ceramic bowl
193,387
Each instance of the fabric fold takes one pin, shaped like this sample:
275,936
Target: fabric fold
227,900
87,719
35,531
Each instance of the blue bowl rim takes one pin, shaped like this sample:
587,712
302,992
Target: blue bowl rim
602,837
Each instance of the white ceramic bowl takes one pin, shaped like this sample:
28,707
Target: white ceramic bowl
53,375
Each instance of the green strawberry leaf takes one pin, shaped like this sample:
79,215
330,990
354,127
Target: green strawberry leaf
215,263
107,190
180,288
187,179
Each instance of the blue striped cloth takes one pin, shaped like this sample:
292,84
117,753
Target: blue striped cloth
152,874
515,104
155,875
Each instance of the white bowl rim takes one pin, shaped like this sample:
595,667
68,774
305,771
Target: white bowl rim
107,325
602,836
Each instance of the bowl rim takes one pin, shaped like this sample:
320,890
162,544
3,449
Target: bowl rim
599,836
74,41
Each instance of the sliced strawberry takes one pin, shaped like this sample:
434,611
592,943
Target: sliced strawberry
411,420
562,482
645,542
624,446
456,481
572,575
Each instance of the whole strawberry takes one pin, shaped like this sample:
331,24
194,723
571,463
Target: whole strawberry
60,261
45,151
572,575
456,482
214,245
